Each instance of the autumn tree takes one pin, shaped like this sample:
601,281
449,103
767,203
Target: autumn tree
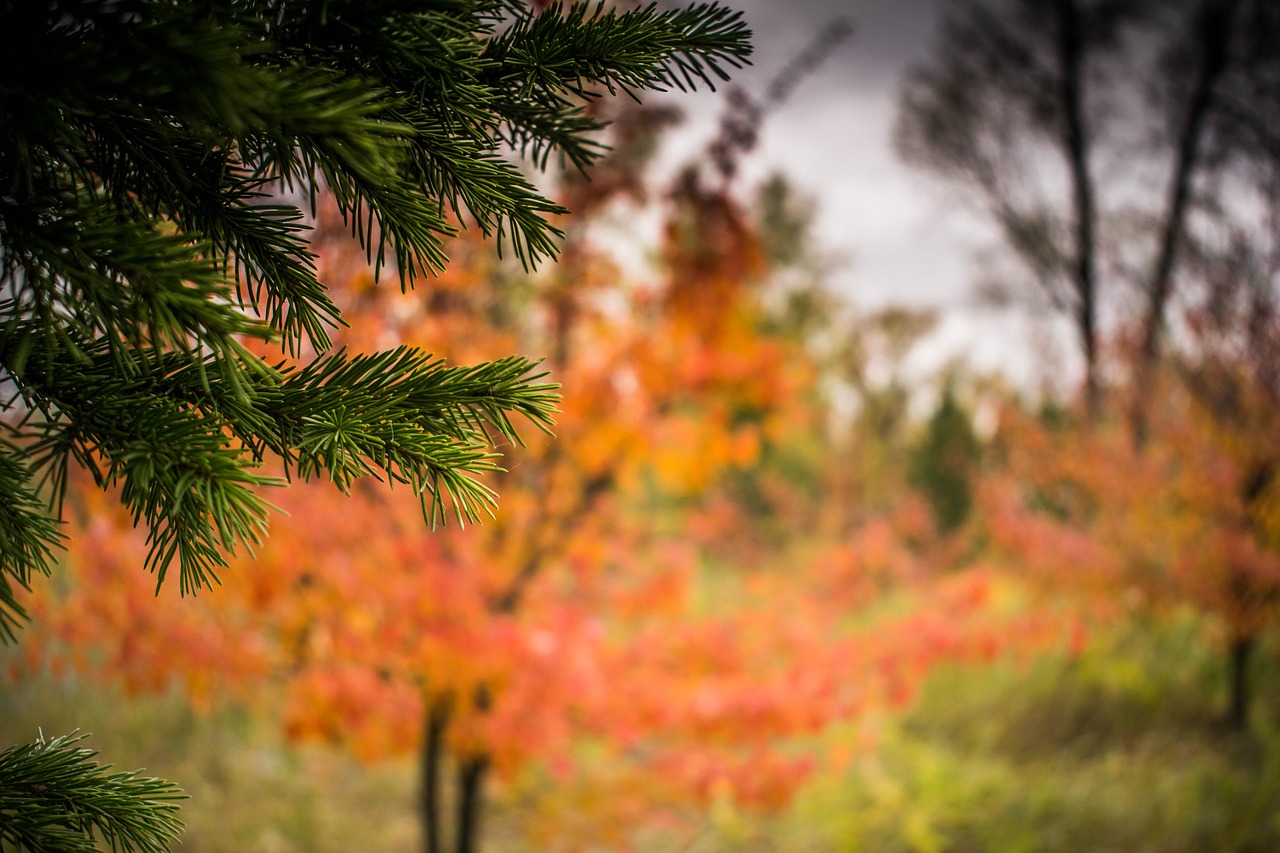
1189,516
1127,152
1184,522
1228,368
143,251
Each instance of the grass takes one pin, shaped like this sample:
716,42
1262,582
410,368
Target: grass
249,790
1119,749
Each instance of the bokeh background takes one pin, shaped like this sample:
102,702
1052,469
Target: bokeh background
872,521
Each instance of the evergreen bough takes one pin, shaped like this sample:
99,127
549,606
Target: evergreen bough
54,796
157,161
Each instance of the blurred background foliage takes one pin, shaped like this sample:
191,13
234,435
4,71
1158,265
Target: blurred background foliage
770,588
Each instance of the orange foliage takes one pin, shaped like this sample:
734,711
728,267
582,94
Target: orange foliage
1169,523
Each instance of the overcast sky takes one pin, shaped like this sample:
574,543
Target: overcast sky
902,239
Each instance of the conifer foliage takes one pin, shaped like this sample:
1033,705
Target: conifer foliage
157,164
141,245
126,810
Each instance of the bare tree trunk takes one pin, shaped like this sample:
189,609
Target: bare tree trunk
470,800
1071,57
1215,22
437,723
1240,654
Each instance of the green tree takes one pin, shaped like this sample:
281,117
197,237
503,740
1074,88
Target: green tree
944,460
155,165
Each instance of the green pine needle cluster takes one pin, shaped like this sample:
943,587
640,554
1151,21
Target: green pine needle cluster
53,796
158,161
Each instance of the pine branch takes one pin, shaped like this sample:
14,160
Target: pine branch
123,282
545,66
474,180
28,538
627,52
55,799
185,440
411,417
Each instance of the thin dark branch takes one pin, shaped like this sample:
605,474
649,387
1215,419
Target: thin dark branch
1076,149
1216,21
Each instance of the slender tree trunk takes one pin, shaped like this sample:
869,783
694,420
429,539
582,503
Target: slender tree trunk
437,722
1214,24
1240,654
470,800
1071,59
